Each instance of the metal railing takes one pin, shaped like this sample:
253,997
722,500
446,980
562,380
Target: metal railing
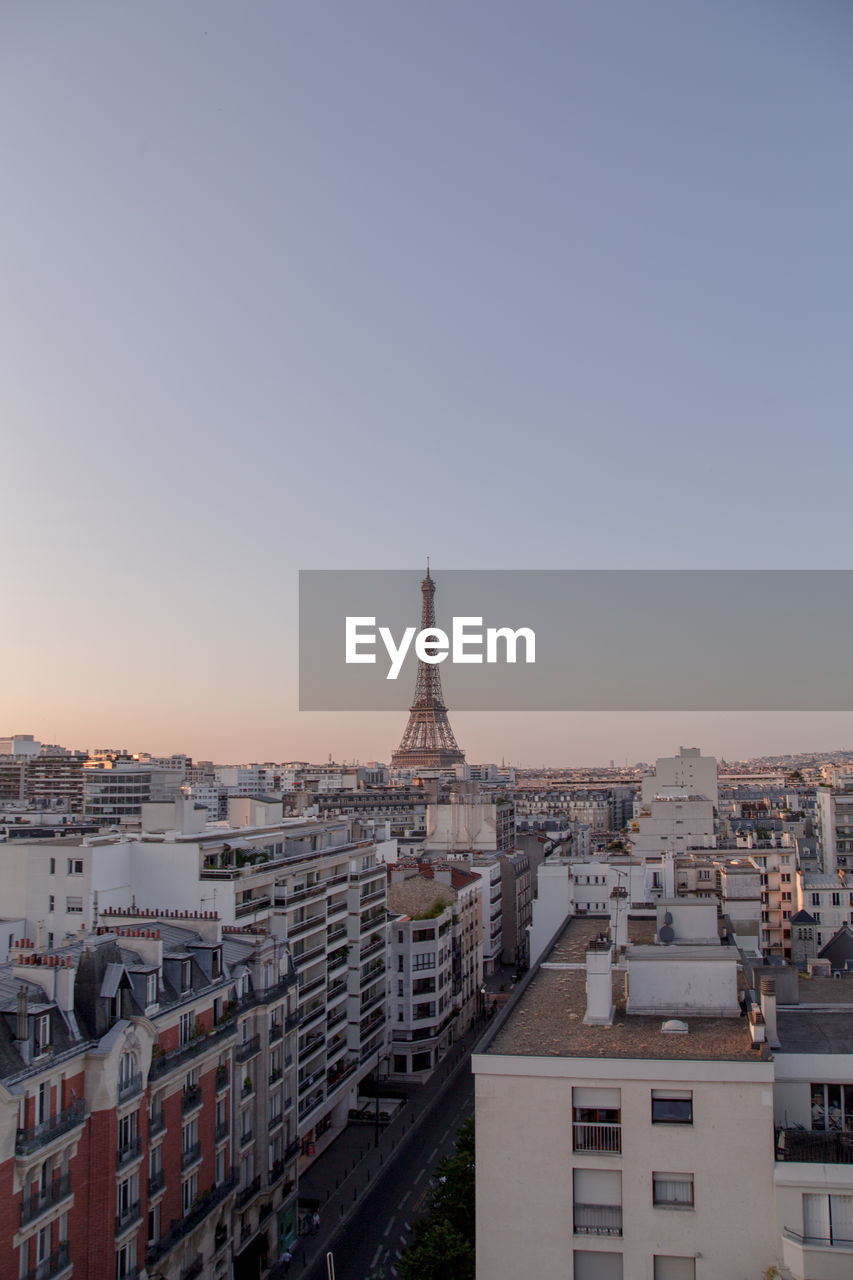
51,1266
156,1181
245,1194
127,1217
835,1241
589,1136
221,1132
191,1098
38,1201
248,1048
185,1052
181,1227
39,1135
191,1155
157,1123
598,1219
128,1151
814,1146
246,907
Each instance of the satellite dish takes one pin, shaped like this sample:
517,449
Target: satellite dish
667,933
667,918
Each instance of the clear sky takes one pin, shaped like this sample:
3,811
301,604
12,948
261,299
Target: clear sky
341,285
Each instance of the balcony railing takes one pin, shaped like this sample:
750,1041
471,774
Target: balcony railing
128,1152
248,1048
306,925
39,1201
246,1193
814,1146
191,1098
372,949
191,1155
221,1078
156,1182
598,1219
127,1217
39,1135
590,1136
276,1032
253,904
51,1266
181,1227
185,1052
157,1124
130,1087
193,1269
835,1241
221,1132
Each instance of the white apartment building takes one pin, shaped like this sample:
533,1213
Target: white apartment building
423,1012
468,820
618,1091
828,900
676,823
309,883
835,828
689,772
777,868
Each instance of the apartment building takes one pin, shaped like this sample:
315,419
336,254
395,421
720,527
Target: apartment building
616,1092
436,952
835,826
469,820
689,772
777,868
308,883
147,1102
828,900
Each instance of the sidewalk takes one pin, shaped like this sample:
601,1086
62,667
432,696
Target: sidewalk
345,1171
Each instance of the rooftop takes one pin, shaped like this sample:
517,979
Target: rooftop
548,1019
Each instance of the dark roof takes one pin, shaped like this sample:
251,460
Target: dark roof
839,950
802,917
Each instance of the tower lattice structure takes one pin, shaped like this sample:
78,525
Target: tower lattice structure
428,742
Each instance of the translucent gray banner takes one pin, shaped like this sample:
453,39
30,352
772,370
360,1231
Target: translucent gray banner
604,640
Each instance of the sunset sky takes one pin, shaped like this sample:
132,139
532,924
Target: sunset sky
559,285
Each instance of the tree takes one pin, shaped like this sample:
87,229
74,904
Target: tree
444,1241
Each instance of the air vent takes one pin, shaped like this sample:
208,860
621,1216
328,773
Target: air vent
667,933
674,1026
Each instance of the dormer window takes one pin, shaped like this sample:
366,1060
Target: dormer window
186,969
216,963
150,989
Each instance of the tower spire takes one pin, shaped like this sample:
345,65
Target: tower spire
428,742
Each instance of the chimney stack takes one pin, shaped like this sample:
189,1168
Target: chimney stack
619,917
768,1009
599,983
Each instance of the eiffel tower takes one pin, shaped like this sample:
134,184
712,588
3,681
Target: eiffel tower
428,742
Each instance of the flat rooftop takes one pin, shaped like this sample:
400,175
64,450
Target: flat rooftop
548,1020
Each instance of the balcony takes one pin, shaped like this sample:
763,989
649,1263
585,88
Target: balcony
247,1136
128,1152
372,897
156,1182
814,1146
313,953
190,1156
312,1016
221,1079
603,1138
38,1202
221,1132
156,1124
48,1268
248,1048
334,935
186,1052
245,1194
129,1088
191,1099
306,926
181,1227
598,1219
314,985
276,1032
127,1217
251,905
40,1135
372,949
311,1045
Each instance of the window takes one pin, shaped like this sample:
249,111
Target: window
154,1224
150,989
186,970
671,1268
52,866
189,1192
597,1202
126,1071
815,899
597,1265
74,905
41,1034
672,1106
832,1107
185,1028
75,866
126,1260
51,903
828,1219
672,1189
596,1120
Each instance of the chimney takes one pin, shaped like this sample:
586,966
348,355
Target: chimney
619,917
669,874
768,1009
599,986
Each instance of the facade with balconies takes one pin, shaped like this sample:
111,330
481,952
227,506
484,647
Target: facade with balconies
123,1143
